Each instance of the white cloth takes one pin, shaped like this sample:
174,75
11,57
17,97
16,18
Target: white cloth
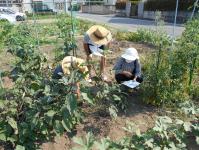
131,83
96,50
93,47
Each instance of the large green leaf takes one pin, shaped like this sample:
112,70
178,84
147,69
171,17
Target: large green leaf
86,98
50,113
59,129
113,111
187,126
197,140
2,105
13,124
19,147
116,98
65,113
2,137
71,103
103,144
66,125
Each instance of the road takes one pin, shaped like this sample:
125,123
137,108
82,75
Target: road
129,24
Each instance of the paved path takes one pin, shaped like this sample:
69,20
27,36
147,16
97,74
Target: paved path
128,24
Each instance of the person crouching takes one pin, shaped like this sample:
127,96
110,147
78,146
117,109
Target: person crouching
128,67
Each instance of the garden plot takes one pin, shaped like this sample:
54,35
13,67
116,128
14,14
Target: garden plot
35,108
97,120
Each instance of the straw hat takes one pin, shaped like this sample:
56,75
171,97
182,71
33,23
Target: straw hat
99,35
130,54
71,61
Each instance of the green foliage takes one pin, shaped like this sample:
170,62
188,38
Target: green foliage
168,5
145,36
86,144
66,26
171,73
188,53
164,89
46,15
112,97
5,29
83,26
38,107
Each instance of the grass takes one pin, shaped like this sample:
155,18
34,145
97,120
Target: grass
41,16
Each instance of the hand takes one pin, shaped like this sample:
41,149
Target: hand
90,56
135,78
128,74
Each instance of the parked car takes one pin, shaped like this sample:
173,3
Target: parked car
76,7
17,15
6,17
42,8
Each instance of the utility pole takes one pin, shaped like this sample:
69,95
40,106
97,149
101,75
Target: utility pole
6,3
65,6
174,25
195,5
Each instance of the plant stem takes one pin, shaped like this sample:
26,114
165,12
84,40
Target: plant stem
192,70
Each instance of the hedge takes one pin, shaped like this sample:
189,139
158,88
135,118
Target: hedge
168,5
120,5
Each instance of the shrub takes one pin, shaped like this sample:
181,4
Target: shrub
5,29
120,5
145,36
168,5
170,75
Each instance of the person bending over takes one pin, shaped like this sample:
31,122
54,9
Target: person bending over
96,40
64,68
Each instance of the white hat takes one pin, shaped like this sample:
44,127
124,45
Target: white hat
130,54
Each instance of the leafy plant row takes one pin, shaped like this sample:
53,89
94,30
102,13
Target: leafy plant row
167,133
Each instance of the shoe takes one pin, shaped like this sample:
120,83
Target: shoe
130,90
89,80
105,78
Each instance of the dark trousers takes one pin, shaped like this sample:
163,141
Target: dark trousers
57,72
121,77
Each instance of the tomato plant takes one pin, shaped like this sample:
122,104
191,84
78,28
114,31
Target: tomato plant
171,73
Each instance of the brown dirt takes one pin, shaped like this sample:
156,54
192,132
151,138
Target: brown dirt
5,61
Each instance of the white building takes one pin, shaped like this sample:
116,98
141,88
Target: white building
110,2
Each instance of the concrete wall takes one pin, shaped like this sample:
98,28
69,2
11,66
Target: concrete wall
168,15
99,9
27,6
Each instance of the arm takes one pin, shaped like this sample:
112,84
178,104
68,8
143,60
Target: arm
86,48
137,69
86,45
